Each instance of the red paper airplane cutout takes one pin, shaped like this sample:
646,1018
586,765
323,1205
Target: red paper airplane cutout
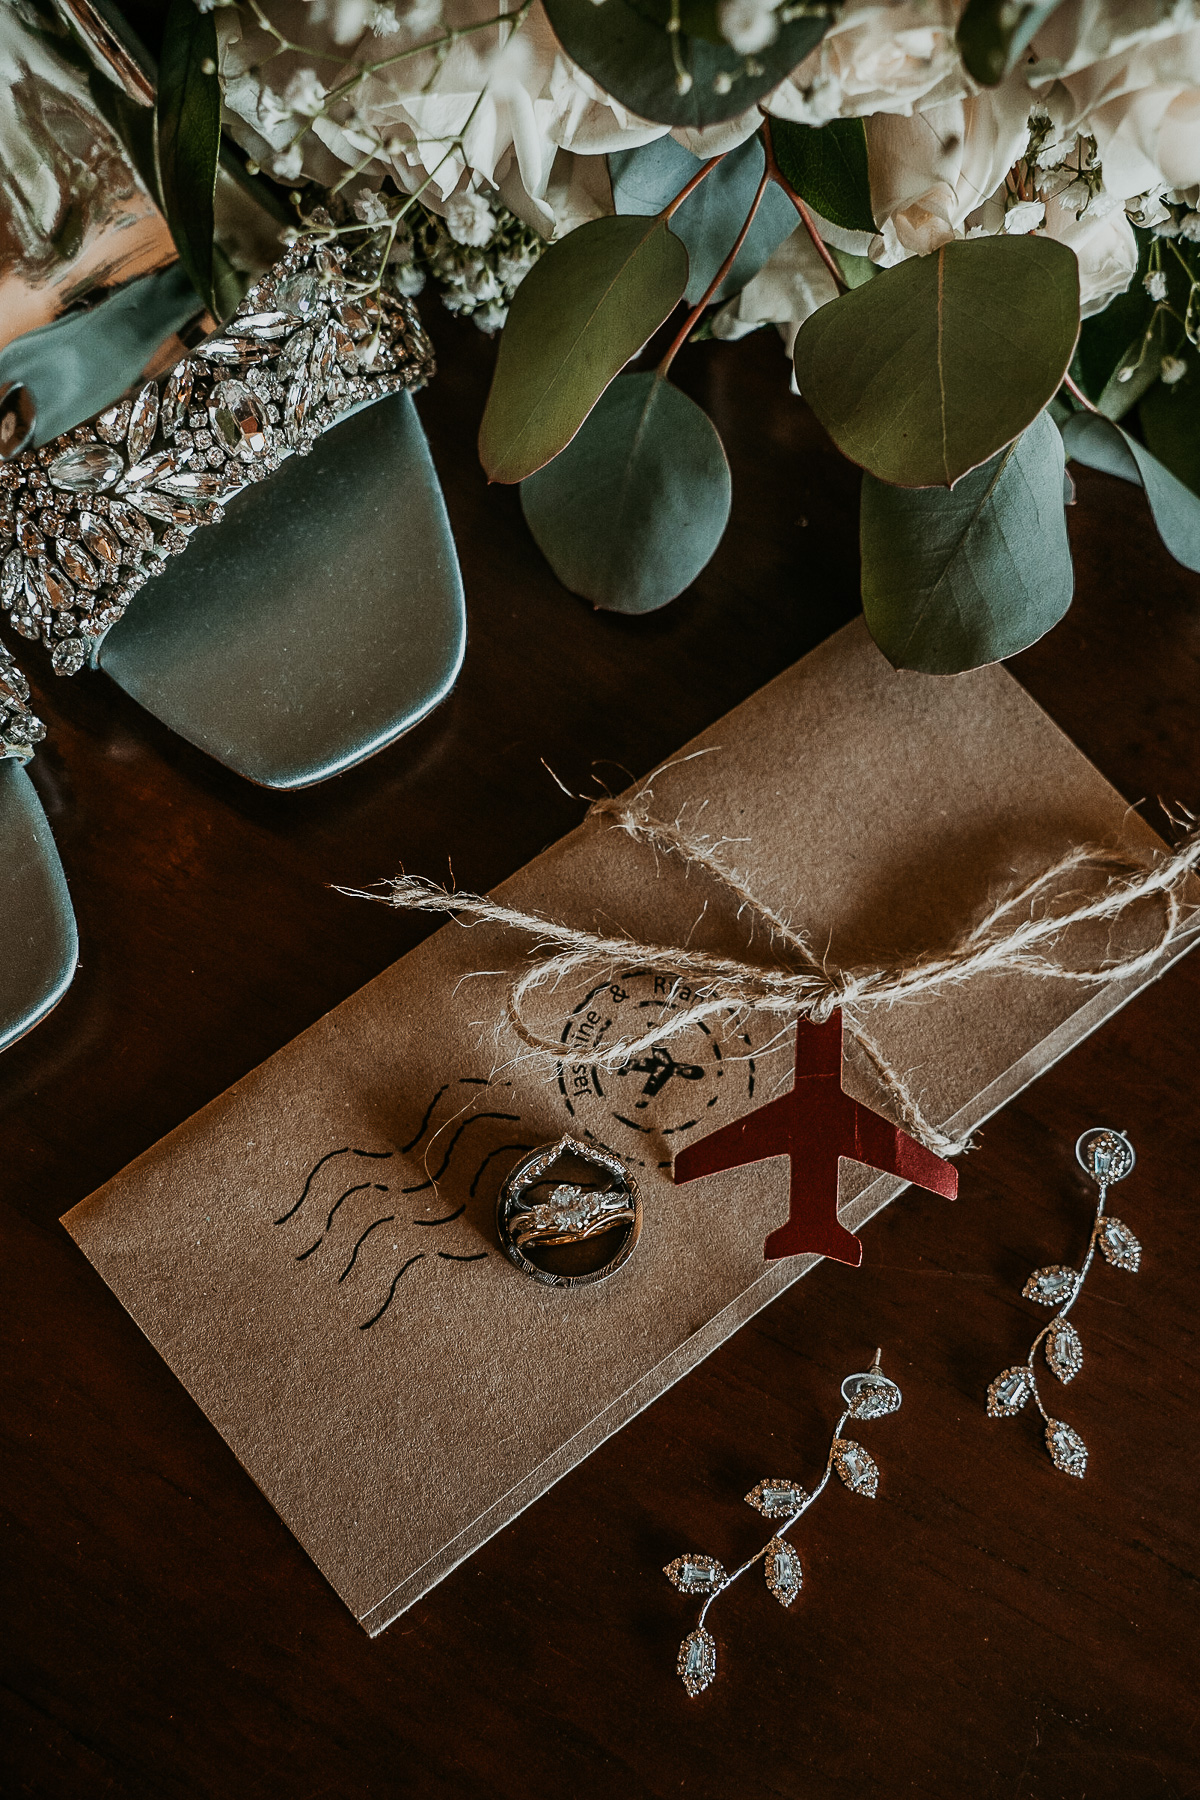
814,1125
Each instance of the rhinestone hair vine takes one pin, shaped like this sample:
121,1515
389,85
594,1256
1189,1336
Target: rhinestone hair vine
1108,1157
869,1395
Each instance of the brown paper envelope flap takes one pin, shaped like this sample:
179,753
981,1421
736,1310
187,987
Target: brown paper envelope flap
394,1386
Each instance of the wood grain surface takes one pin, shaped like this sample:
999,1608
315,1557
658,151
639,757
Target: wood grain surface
987,1627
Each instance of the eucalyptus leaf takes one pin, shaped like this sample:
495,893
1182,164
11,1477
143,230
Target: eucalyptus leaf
1170,420
633,509
827,166
1100,444
188,135
992,34
952,580
627,49
929,369
587,306
647,179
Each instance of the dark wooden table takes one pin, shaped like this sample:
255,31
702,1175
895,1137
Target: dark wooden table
986,1628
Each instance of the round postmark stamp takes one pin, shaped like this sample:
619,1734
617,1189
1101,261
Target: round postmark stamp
648,1108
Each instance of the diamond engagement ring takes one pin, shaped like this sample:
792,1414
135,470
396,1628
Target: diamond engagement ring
86,520
538,1214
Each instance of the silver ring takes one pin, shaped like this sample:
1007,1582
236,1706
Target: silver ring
570,1213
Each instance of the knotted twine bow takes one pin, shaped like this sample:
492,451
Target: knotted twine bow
803,984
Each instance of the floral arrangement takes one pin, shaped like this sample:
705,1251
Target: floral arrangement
975,226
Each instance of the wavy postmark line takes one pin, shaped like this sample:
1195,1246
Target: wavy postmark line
387,1219
316,1169
475,1118
361,1188
402,1270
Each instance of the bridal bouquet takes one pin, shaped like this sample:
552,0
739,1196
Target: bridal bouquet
976,227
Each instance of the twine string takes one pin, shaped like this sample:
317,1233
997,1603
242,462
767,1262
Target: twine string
1017,935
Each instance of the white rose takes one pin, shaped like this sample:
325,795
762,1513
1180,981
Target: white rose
1080,33
932,170
516,104
1143,109
876,58
1104,245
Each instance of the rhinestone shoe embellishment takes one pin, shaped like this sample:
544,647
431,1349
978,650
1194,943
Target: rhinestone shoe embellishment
122,494
20,727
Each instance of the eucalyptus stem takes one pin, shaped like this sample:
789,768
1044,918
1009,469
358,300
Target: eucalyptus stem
1077,393
810,225
672,207
689,323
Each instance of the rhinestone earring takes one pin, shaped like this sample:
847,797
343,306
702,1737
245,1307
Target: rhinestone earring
869,1395
1107,1156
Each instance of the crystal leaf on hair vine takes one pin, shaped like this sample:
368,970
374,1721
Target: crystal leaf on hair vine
777,1499
782,1568
696,1574
1052,1286
875,1399
1068,1451
1009,1392
858,1470
1119,1247
697,1663
293,361
1064,1351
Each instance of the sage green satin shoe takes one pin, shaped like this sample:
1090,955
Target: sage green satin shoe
39,945
255,547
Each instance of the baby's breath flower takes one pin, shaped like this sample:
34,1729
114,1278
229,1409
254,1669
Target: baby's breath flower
1155,284
1173,369
1025,216
469,219
289,163
371,209
304,93
748,25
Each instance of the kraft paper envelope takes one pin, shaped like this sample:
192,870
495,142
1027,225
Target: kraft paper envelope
314,1254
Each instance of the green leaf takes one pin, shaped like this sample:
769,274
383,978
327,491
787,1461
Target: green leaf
132,124
1100,444
926,371
952,580
992,34
188,130
647,179
1170,420
587,306
627,49
631,512
827,166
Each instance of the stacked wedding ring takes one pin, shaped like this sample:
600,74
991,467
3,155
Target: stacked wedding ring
536,1213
